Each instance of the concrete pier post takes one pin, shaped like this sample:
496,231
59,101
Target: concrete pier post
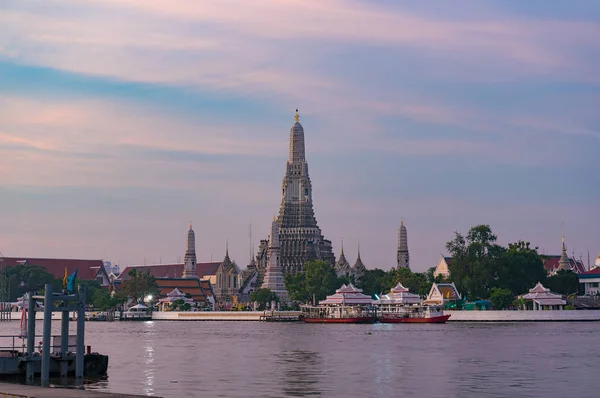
48,304
29,367
79,358
64,342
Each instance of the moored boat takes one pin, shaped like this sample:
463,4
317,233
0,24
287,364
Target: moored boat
401,306
347,305
414,314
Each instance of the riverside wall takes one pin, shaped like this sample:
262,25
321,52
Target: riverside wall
218,315
523,316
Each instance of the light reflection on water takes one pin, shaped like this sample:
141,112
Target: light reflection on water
255,359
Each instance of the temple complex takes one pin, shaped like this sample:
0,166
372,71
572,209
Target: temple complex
300,238
274,279
402,254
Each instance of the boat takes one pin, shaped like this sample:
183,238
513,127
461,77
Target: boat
414,314
347,305
401,306
138,312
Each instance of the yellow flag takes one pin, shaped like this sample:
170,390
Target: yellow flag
66,278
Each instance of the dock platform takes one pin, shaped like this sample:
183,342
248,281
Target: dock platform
10,390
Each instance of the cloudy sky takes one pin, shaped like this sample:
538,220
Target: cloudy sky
122,120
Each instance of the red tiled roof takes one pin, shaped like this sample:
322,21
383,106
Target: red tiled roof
87,269
595,271
171,270
187,286
551,263
207,287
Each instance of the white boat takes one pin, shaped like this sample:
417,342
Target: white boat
138,312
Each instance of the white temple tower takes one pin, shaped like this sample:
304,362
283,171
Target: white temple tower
402,256
274,279
564,262
301,238
189,266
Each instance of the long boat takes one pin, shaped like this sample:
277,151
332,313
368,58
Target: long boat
414,314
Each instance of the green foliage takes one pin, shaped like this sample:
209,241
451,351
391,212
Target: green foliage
262,297
564,282
569,307
318,281
416,282
479,265
138,286
376,281
103,301
29,278
296,287
501,298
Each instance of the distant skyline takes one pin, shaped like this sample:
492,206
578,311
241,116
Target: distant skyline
121,121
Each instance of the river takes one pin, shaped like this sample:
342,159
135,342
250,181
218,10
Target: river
256,359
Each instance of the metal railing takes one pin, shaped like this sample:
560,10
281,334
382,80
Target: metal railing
18,345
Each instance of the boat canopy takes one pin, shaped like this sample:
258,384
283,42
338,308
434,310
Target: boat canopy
347,295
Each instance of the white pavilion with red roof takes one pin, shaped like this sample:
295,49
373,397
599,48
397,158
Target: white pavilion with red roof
347,295
544,299
399,295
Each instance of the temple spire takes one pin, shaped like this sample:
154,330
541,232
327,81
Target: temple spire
402,256
564,262
297,117
189,267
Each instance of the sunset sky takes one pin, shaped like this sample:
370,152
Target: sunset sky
122,120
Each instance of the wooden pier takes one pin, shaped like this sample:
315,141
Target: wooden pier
10,390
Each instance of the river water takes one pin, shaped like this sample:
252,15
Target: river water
257,359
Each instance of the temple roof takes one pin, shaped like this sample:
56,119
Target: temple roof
544,296
87,269
399,295
348,295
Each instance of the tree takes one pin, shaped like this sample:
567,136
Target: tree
321,280
296,287
501,298
376,281
139,285
564,282
521,268
476,261
29,278
263,296
415,282
103,301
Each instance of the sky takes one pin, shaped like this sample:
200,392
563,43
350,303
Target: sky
123,120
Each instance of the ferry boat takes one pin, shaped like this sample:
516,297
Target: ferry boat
414,314
347,305
401,306
137,313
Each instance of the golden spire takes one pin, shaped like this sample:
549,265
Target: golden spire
402,221
190,224
297,116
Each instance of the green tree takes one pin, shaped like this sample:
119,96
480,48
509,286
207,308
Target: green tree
376,281
321,280
263,296
139,285
521,268
296,287
29,278
103,301
501,298
564,282
476,261
415,282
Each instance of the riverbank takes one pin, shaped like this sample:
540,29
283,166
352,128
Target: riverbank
10,390
523,316
223,315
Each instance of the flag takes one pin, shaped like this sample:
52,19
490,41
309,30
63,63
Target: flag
23,325
71,281
65,279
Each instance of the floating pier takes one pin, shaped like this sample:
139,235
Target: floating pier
10,390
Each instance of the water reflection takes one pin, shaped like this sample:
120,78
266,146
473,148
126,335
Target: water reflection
302,372
149,358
